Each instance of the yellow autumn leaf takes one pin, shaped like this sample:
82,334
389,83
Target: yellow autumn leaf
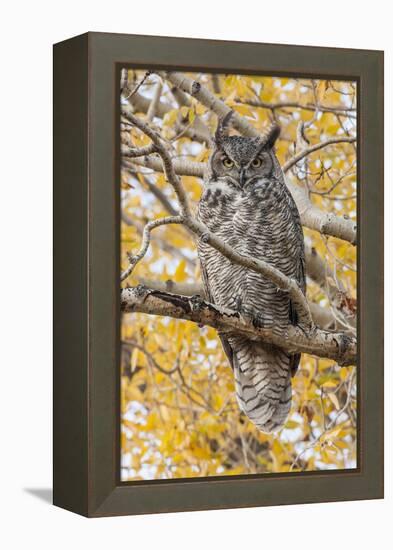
291,424
134,359
200,109
184,111
329,385
170,118
242,109
180,274
333,398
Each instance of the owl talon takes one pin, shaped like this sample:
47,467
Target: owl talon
196,302
142,291
305,329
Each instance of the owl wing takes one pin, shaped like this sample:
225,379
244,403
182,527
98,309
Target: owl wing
225,344
300,268
293,317
205,281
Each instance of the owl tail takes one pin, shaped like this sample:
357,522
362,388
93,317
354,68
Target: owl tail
263,383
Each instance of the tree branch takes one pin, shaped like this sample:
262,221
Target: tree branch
209,100
163,244
167,165
332,345
146,241
322,316
323,276
197,132
181,167
311,216
198,128
342,111
152,110
129,93
305,152
325,223
135,152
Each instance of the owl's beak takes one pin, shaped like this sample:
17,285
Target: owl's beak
242,175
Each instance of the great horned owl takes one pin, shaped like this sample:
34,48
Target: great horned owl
248,205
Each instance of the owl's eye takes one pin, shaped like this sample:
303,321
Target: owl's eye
227,162
256,163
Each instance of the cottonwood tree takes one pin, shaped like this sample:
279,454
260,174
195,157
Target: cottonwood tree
179,414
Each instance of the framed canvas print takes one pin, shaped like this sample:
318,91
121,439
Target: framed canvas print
218,260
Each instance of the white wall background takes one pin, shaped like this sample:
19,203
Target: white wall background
28,30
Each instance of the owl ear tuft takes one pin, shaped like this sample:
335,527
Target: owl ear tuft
268,139
222,128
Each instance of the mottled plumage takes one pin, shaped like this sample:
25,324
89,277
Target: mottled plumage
247,204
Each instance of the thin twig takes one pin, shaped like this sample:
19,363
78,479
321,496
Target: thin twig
130,152
146,241
134,91
305,152
167,164
343,111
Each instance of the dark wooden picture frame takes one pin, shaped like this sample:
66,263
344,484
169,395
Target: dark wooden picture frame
86,275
